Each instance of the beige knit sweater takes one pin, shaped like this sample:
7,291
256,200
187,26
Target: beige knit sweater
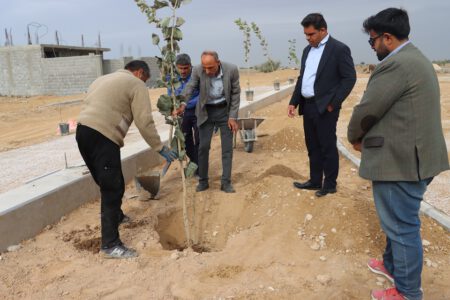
112,103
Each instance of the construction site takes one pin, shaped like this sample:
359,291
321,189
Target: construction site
265,241
268,240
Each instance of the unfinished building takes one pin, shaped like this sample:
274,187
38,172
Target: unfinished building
57,70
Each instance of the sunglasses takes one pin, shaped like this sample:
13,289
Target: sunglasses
373,39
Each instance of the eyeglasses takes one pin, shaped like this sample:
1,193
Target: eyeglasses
373,39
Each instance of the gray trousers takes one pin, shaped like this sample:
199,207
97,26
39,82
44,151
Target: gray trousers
217,117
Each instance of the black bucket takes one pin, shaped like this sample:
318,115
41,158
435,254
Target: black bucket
249,95
64,128
276,86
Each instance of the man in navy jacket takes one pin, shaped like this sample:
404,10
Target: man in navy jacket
189,124
327,77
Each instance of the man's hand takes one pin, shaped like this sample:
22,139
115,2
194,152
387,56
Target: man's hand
233,125
291,111
330,108
357,147
168,154
179,110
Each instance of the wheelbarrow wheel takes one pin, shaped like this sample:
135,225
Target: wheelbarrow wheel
248,146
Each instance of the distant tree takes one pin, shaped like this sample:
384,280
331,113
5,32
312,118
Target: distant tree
293,59
265,48
246,30
268,66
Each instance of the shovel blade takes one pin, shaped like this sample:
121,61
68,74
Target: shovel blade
149,182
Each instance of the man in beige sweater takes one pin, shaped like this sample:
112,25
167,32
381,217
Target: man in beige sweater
112,103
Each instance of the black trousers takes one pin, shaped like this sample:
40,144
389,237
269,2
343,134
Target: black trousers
190,130
320,138
217,117
102,157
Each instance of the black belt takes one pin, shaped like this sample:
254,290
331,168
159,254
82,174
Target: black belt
220,104
310,100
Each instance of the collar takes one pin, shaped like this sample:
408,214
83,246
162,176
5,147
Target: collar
220,75
396,50
323,41
185,79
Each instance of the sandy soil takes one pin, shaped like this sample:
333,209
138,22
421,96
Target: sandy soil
267,241
27,121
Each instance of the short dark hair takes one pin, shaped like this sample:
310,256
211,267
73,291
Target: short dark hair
136,65
391,20
316,20
183,59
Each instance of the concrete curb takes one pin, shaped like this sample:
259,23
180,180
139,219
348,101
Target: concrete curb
26,210
425,208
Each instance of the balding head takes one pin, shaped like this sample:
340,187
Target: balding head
210,63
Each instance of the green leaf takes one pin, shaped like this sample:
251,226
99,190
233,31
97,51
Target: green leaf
170,57
165,22
174,144
177,85
165,104
181,155
180,21
190,169
179,134
166,33
176,3
177,34
160,84
160,4
155,39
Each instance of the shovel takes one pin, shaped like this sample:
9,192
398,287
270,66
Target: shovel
150,181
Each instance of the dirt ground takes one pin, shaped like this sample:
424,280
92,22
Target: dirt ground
27,121
267,241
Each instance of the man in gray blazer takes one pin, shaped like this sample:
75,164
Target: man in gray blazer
218,107
397,127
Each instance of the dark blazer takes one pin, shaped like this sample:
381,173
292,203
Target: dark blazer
231,87
398,120
335,77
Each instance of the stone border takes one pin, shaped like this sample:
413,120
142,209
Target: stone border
425,208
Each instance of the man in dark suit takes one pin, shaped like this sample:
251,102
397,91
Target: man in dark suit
217,107
327,77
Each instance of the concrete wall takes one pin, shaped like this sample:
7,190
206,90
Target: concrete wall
20,71
25,72
70,75
112,65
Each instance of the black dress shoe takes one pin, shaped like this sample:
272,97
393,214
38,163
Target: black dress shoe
323,192
202,186
227,188
307,185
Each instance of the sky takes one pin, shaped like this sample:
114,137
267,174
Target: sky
210,25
